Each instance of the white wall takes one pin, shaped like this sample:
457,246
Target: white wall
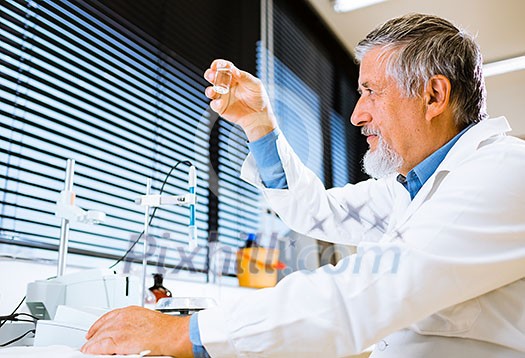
506,97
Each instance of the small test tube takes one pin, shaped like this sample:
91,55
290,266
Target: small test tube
223,79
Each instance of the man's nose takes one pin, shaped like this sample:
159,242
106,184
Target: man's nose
360,116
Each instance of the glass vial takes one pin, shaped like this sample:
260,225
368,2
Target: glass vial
223,79
158,289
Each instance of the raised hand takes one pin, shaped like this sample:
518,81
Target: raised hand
246,104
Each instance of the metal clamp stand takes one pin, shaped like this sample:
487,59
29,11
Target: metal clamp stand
70,213
145,248
150,200
64,226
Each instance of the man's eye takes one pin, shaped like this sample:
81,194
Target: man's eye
367,91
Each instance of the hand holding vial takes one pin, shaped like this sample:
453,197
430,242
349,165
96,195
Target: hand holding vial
240,98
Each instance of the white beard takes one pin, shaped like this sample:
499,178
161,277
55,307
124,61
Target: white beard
381,162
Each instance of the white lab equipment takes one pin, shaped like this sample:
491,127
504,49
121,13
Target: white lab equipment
69,327
97,288
66,209
106,289
67,305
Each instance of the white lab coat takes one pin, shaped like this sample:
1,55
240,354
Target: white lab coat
439,276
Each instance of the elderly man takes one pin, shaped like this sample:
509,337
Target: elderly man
440,231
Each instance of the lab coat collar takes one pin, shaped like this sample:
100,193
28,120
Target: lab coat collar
472,140
469,142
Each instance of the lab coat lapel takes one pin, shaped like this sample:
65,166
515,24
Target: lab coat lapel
424,194
468,143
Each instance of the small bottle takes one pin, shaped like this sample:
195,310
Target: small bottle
223,79
158,289
247,257
251,241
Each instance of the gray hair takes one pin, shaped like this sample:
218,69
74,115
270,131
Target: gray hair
419,46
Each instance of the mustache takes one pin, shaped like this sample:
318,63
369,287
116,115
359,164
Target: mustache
370,131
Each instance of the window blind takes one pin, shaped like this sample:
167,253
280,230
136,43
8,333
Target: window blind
315,82
76,84
239,203
339,149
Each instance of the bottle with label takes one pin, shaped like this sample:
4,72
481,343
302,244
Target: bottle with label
158,289
256,265
251,241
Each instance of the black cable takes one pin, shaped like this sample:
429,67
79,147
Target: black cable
2,322
13,317
17,338
28,315
186,162
20,304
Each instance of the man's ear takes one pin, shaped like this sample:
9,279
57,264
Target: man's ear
437,96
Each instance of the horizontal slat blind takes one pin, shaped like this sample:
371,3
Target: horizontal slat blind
314,93
298,110
346,97
339,150
74,85
239,202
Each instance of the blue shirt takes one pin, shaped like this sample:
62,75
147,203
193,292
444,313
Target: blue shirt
264,151
424,170
195,337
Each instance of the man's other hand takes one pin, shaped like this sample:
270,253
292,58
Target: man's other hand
135,329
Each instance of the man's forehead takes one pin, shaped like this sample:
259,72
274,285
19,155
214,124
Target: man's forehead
372,70
375,81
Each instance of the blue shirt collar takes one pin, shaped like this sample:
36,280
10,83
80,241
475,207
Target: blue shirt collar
418,176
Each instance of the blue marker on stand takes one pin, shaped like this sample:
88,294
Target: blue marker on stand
192,183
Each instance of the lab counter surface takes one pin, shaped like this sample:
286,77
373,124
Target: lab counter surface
53,352
66,352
